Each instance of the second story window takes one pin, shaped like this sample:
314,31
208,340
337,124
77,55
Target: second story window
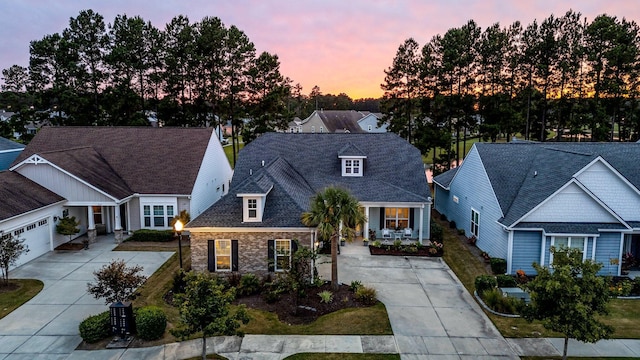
352,167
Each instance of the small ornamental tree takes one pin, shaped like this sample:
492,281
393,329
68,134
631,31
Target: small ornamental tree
116,282
568,297
11,248
301,272
184,218
68,226
204,309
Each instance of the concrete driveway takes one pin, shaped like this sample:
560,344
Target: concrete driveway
431,313
46,327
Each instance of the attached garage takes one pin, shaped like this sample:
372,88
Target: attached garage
27,211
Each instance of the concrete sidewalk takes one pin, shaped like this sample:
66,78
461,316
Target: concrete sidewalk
554,347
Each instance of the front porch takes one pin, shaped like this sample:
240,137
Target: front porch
396,221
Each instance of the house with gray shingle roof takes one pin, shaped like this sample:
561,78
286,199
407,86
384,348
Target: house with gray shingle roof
9,151
520,199
277,175
118,179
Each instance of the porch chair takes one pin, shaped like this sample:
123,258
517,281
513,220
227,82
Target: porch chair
407,233
386,234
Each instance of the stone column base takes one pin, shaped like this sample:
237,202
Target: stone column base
119,235
91,234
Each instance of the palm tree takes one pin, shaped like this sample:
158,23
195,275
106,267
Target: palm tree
332,210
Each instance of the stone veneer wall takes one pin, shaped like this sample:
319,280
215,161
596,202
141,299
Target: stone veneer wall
252,248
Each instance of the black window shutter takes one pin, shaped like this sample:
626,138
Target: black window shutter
211,258
294,246
382,224
234,255
271,248
412,217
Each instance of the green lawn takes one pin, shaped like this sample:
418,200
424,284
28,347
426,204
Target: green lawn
624,314
11,299
228,150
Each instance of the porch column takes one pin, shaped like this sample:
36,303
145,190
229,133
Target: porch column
91,228
365,234
340,231
421,224
117,229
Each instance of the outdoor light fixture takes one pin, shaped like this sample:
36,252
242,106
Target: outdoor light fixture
178,227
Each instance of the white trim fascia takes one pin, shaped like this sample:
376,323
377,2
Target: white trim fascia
572,235
10,150
392,204
32,211
352,157
586,191
91,203
248,229
542,248
254,194
442,186
156,195
610,167
40,160
593,248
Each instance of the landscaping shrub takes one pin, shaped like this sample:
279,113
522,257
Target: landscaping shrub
366,295
151,235
461,232
437,232
485,282
355,285
232,280
636,286
506,281
151,322
498,265
95,328
179,282
496,301
452,224
443,217
326,296
620,287
249,285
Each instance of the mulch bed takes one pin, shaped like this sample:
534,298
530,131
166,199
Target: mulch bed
423,251
309,308
70,246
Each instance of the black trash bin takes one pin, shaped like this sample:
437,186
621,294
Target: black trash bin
122,321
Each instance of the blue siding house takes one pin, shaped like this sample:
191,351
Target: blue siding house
519,199
9,151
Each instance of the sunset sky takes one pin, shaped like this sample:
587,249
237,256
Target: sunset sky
339,45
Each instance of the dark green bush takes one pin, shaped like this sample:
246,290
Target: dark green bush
437,232
95,328
506,281
452,224
249,285
485,282
151,235
151,322
179,282
366,295
355,285
498,266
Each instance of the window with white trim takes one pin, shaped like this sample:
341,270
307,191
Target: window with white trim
396,218
369,128
223,255
475,222
283,254
352,167
569,242
252,208
157,216
97,214
313,129
321,129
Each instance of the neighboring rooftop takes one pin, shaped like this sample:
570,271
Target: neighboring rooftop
523,174
21,195
125,160
6,144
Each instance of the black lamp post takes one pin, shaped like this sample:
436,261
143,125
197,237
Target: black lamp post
178,227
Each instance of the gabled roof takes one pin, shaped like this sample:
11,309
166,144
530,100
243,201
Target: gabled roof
125,160
525,174
21,195
300,165
6,144
351,150
341,120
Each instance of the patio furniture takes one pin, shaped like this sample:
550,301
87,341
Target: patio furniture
386,234
397,235
408,232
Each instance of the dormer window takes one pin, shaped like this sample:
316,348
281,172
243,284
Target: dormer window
252,208
352,167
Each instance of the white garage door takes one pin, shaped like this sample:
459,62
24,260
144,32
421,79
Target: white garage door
36,237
